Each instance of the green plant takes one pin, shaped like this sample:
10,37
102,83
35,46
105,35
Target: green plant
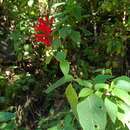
101,103
87,40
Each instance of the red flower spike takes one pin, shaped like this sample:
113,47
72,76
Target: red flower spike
44,31
52,20
47,19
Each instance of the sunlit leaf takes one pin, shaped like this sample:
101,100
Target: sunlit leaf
101,85
72,98
60,56
6,116
65,67
124,116
102,78
122,82
60,82
112,109
85,92
92,113
85,83
123,95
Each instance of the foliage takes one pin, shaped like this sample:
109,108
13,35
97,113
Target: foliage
81,43
101,100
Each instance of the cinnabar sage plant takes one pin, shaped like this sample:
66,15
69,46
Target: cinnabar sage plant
43,30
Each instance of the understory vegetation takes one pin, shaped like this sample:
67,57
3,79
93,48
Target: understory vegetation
64,65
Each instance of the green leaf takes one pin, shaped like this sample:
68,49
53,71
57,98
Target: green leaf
60,56
58,4
124,107
125,116
75,36
6,116
84,83
72,98
112,109
68,120
85,92
65,32
101,85
48,59
65,67
8,126
60,82
68,123
92,113
102,78
56,43
123,95
99,93
122,82
77,12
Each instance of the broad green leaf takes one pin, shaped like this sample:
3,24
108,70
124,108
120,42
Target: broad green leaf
92,113
65,32
74,9
112,109
85,92
65,67
122,82
77,12
102,78
84,83
123,95
75,36
101,85
72,98
6,116
68,122
68,119
124,107
60,56
124,118
60,82
56,43
99,93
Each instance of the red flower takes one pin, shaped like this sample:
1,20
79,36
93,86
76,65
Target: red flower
44,31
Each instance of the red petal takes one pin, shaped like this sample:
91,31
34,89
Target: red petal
39,35
41,21
47,19
52,20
